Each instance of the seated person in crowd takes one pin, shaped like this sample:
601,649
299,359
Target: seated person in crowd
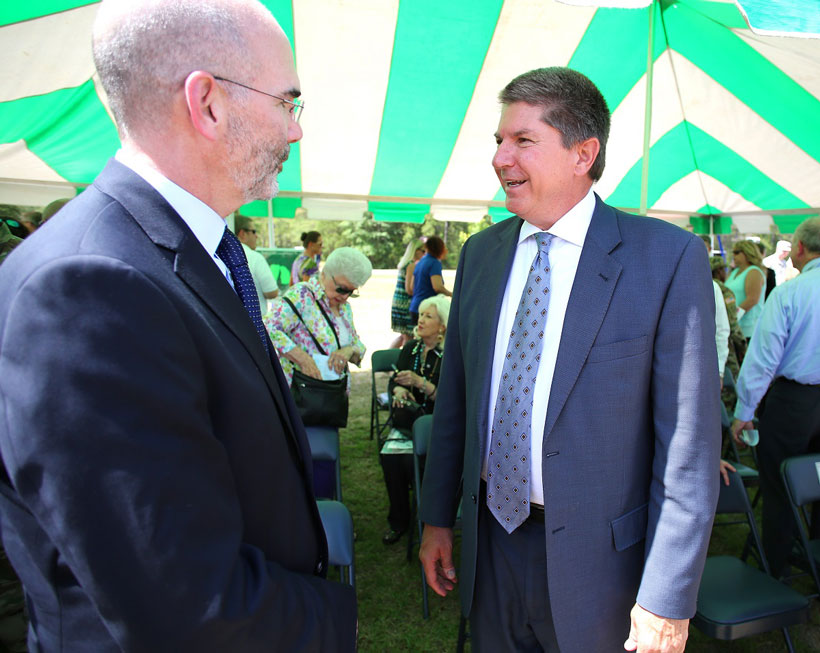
413,389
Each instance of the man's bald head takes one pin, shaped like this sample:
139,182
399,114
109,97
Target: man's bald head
145,49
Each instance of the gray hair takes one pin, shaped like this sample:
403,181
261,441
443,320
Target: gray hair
572,104
442,305
808,233
144,50
351,263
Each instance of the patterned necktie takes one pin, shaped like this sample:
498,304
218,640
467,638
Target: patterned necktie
508,467
233,256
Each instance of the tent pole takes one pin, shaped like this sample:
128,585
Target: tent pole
271,233
647,123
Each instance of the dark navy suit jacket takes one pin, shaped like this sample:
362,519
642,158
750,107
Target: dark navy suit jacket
157,493
633,418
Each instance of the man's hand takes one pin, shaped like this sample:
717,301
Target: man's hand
436,555
650,633
737,427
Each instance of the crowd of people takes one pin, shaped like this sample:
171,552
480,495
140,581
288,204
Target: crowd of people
156,490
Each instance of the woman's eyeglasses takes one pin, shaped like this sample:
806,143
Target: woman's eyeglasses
342,290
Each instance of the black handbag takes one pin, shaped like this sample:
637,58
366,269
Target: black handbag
320,402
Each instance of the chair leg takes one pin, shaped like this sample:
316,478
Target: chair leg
787,637
463,635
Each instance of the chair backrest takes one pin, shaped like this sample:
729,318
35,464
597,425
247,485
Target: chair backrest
338,525
422,430
323,441
381,360
802,477
733,497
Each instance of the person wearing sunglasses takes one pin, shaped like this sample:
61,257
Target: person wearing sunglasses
313,319
8,241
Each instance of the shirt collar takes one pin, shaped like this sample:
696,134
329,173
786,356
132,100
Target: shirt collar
207,225
571,227
811,264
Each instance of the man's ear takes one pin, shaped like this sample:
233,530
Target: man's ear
206,104
587,152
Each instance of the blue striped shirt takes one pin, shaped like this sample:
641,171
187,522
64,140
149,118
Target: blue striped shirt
786,341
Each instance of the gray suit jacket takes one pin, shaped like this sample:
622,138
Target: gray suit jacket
631,442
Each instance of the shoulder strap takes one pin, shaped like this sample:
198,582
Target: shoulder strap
299,315
330,324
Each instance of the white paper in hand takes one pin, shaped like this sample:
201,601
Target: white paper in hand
328,373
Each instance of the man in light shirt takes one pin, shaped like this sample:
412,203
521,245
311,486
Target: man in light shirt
780,262
781,375
143,506
266,287
615,441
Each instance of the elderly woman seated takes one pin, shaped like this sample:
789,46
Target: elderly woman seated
324,316
413,389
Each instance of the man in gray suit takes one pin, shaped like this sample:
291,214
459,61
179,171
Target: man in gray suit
613,341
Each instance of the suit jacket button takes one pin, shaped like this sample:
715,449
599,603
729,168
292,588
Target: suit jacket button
473,498
319,567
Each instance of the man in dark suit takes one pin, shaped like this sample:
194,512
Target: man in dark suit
156,487
610,509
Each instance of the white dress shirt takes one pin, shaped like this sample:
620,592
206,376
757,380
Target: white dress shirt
565,251
206,223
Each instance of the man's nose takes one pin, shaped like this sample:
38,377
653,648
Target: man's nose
502,157
294,132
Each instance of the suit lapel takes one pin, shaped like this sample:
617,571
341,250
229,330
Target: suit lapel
592,290
501,248
192,264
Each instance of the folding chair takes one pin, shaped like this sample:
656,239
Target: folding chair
324,445
380,361
338,526
801,476
736,600
422,430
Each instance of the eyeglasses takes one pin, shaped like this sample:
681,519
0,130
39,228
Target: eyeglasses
296,105
10,222
342,290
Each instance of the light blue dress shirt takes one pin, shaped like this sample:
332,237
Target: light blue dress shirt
786,341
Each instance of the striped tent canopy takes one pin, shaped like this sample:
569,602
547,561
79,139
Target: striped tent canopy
401,103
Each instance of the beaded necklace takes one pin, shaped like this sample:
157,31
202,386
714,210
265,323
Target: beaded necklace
418,366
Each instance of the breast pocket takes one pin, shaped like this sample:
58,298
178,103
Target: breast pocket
615,350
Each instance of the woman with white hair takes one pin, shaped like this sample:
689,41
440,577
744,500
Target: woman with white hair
319,312
413,389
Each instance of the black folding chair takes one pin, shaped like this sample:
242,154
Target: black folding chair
736,600
381,361
801,476
338,526
422,430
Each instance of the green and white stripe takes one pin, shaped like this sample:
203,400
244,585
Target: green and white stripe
402,103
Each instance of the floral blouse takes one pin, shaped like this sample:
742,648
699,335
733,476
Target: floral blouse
287,331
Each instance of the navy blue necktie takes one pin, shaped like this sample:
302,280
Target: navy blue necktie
233,256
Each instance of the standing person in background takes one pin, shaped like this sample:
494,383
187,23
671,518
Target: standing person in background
781,263
427,279
747,281
400,320
266,287
307,263
771,277
155,487
781,375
